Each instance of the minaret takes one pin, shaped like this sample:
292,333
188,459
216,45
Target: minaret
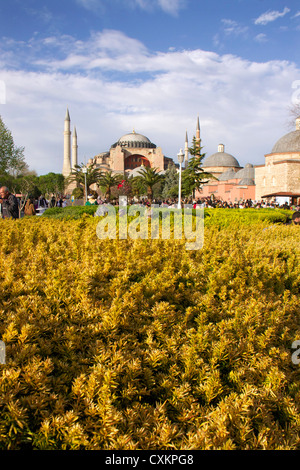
67,146
198,138
186,151
74,149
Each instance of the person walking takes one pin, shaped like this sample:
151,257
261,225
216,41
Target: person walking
9,204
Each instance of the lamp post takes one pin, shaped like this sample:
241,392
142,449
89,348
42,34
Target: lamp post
180,157
84,171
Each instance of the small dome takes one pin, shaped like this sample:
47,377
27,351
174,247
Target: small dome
227,175
246,173
221,158
247,182
136,171
289,142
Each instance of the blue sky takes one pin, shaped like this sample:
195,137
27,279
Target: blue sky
151,65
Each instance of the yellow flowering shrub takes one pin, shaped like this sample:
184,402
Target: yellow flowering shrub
142,344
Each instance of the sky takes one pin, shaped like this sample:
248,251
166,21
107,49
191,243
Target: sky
153,66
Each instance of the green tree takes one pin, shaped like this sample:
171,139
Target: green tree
107,181
92,176
124,187
12,160
149,177
193,177
171,182
51,183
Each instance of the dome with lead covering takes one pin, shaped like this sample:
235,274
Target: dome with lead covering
246,173
227,175
247,182
221,159
289,142
134,140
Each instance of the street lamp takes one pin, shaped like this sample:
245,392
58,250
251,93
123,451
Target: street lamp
180,157
84,171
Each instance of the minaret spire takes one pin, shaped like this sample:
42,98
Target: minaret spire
198,131
186,151
67,146
198,138
74,149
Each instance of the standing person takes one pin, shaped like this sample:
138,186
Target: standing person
9,204
29,207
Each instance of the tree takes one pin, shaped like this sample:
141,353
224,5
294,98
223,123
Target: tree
124,187
12,160
52,183
193,177
92,176
27,185
107,181
149,177
294,113
171,183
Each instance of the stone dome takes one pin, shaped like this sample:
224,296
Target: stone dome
247,173
289,142
247,182
134,140
222,159
227,175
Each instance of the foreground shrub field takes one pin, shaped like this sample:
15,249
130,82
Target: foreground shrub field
123,344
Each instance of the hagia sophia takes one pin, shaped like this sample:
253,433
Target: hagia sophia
278,176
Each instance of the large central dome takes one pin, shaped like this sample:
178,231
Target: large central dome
134,140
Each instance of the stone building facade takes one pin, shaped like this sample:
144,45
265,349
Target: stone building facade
280,175
232,182
131,151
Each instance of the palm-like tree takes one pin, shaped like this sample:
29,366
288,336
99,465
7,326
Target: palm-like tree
107,181
92,176
149,177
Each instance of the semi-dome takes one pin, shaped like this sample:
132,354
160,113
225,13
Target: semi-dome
136,140
221,159
289,142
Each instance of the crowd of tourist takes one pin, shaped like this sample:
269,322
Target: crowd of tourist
206,202
10,204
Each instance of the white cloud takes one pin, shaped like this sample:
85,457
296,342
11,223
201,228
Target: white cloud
168,6
172,6
232,27
270,16
261,37
112,84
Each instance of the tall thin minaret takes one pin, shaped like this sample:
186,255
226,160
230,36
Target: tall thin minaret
198,138
186,151
67,146
74,149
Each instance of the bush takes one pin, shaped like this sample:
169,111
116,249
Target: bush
140,344
69,212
